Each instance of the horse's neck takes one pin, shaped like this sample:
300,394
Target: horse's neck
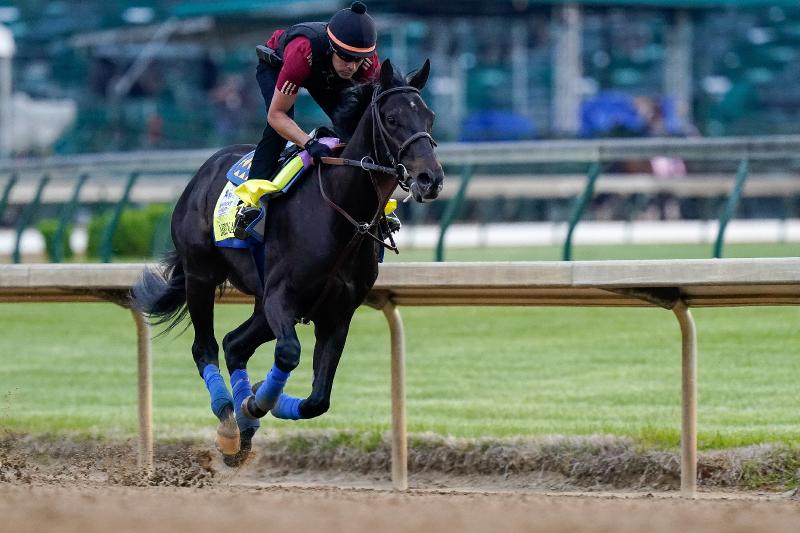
357,189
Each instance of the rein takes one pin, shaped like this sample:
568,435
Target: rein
398,170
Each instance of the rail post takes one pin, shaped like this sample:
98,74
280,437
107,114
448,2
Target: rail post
145,367
452,210
688,400
580,207
7,194
730,206
27,215
107,246
65,219
399,436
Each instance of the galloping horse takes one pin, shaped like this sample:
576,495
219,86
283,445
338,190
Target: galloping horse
321,256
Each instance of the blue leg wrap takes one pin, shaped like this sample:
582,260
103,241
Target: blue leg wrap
271,389
220,397
240,383
288,408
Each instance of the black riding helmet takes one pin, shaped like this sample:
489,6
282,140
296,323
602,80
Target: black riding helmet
352,33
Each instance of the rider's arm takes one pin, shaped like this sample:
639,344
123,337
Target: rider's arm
278,117
296,68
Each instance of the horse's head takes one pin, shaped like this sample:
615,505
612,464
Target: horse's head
396,126
402,126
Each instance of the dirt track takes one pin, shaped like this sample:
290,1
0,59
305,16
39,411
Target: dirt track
85,487
89,508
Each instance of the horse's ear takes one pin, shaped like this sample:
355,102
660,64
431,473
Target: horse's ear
419,78
387,74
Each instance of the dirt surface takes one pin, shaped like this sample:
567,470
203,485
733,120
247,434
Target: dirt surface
90,486
88,508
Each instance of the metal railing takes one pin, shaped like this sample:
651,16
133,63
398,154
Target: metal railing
514,157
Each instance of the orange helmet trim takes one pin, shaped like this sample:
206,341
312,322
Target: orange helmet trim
347,47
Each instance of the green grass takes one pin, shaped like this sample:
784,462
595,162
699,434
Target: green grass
470,372
596,252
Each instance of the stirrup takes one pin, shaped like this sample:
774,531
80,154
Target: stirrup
393,221
244,217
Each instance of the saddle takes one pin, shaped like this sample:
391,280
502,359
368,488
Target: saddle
241,193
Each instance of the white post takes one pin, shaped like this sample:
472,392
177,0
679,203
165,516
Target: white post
519,63
689,401
144,364
568,70
399,438
7,50
678,64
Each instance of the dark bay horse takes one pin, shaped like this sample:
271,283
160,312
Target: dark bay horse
321,259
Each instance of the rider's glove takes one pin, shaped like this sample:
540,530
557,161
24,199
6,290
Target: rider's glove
317,150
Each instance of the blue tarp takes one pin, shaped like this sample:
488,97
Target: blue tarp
492,125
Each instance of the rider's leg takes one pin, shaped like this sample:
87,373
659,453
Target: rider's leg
268,150
265,160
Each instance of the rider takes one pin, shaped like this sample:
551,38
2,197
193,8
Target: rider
323,58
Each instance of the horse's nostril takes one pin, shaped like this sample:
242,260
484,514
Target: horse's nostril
424,179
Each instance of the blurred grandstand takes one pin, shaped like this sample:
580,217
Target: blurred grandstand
178,74
126,75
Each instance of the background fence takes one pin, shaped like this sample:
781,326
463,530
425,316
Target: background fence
556,181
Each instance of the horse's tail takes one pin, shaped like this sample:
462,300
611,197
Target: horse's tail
162,295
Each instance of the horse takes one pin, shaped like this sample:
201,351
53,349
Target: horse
322,250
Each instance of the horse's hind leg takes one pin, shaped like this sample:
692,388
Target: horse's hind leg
239,345
200,288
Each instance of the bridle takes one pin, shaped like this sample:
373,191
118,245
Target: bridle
379,133
397,170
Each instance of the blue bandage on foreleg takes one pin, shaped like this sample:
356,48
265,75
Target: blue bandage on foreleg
287,407
240,383
269,391
220,397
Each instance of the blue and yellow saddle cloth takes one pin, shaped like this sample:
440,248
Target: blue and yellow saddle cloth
240,190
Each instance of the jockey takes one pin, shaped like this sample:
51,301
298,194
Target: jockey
323,58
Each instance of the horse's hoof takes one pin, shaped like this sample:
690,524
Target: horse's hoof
228,441
238,459
251,410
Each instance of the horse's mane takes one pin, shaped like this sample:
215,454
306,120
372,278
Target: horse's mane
353,102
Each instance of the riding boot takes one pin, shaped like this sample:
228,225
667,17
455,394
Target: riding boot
393,222
244,217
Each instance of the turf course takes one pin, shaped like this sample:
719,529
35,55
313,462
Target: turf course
471,372
593,253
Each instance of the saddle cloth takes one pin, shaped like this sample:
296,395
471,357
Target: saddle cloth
255,192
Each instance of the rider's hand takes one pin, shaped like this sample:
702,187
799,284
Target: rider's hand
317,150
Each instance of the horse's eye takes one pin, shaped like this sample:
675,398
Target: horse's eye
391,120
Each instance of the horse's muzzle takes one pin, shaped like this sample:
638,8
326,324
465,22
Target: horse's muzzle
427,186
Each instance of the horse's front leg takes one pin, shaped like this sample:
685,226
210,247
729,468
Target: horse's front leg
280,312
330,340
